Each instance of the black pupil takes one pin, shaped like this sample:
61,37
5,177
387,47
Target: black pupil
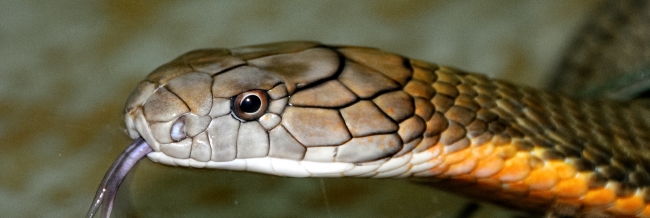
250,104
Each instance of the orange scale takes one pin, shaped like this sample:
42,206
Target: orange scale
562,169
571,188
645,212
482,151
466,178
541,179
536,163
628,206
514,169
538,151
437,170
488,166
458,156
462,167
517,188
506,151
599,197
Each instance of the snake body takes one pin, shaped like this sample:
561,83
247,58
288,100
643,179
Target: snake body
305,109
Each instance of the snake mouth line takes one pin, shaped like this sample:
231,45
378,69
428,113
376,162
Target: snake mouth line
105,195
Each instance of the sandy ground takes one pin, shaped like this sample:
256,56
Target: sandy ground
67,67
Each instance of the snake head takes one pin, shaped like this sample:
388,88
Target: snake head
291,109
196,117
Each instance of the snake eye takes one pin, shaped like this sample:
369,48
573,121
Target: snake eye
250,105
178,129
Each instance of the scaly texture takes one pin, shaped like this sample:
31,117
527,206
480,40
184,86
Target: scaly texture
351,111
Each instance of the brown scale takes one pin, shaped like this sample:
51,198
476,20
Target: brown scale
573,129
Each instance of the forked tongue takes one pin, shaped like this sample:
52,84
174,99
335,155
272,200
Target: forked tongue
108,188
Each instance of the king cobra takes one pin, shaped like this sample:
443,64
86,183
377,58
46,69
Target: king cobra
305,109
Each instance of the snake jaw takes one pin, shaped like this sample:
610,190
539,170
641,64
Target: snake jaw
105,195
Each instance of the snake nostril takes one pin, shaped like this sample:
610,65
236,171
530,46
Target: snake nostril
178,129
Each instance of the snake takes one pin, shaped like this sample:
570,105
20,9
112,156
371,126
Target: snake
306,109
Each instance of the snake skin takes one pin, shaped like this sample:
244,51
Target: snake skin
354,111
